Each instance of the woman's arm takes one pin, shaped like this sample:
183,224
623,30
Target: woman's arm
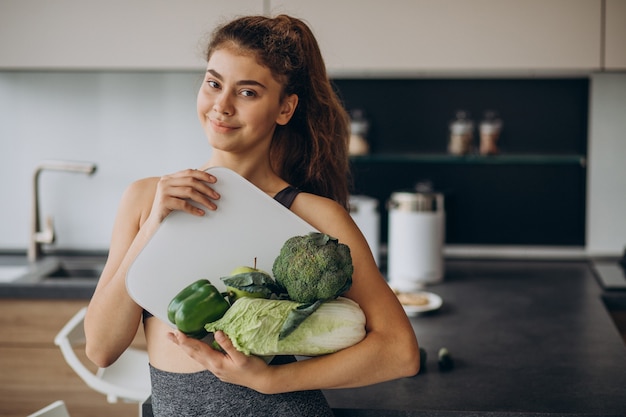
113,317
389,350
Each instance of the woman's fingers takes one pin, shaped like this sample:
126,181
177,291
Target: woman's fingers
228,364
226,345
177,192
195,348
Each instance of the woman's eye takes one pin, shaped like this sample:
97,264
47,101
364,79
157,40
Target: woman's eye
248,93
213,84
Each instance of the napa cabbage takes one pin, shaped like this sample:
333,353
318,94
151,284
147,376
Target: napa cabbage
254,325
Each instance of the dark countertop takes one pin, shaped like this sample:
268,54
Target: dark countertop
528,339
76,289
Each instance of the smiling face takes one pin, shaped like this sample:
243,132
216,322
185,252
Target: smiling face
240,103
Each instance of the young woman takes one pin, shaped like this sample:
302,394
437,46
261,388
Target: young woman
270,114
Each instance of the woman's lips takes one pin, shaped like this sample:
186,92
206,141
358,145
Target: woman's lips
221,127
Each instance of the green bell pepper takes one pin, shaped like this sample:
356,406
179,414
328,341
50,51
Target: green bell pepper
198,304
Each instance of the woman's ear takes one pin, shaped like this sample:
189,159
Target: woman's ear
287,109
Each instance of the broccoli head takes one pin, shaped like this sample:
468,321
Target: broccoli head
313,267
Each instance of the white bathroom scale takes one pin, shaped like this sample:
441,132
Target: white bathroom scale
247,224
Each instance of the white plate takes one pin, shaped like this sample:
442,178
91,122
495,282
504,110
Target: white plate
434,303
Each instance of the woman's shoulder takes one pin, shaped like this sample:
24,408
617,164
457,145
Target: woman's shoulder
325,203
138,197
142,183
142,188
318,211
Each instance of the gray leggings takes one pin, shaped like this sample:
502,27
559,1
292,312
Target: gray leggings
202,394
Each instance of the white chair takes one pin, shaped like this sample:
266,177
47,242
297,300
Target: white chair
56,409
128,379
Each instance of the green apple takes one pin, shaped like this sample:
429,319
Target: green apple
243,269
247,281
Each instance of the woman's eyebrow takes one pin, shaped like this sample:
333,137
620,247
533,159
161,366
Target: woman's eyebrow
239,83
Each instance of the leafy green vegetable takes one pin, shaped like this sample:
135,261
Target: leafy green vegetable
254,325
297,316
249,284
313,267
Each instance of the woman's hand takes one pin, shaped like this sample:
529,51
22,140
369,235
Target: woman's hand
175,191
229,365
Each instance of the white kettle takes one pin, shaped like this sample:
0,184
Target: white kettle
416,240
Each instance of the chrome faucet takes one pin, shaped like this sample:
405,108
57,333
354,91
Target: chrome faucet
37,236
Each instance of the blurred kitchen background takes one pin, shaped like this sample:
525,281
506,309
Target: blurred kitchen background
514,112
114,83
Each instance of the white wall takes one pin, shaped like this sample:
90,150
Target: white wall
606,174
130,124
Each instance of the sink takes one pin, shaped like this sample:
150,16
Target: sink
54,276
9,273
76,268
17,270
80,272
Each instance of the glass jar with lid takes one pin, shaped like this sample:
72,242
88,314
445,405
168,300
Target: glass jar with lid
461,134
490,128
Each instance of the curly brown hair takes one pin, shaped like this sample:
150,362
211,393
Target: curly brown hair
311,151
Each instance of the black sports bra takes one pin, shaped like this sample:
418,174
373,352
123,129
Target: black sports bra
287,195
284,197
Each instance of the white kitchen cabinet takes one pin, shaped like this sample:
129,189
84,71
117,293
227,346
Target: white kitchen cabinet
606,175
439,36
357,37
112,34
615,35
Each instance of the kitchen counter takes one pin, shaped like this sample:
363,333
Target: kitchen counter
528,339
75,289
68,275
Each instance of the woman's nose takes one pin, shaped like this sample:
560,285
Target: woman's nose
223,105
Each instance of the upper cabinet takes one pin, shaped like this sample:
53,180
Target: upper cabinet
112,34
438,36
615,35
406,37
